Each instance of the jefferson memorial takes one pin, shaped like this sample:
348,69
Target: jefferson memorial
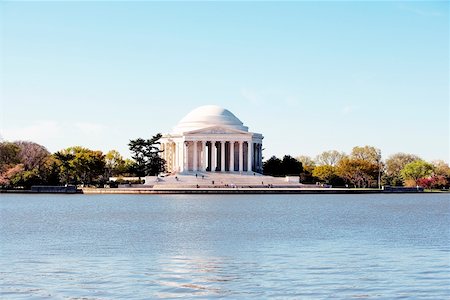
212,139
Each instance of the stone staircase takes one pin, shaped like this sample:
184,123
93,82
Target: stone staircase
219,180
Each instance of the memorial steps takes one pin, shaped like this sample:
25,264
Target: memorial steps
218,180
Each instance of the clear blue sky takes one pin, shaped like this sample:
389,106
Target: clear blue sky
310,76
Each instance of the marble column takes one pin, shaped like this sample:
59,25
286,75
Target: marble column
241,157
167,155
257,157
195,167
222,156
185,156
260,158
249,156
213,156
171,157
179,153
231,169
204,156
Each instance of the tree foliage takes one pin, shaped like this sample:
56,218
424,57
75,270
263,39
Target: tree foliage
308,165
145,153
287,166
32,155
432,182
324,173
81,165
114,164
22,164
367,153
9,155
357,171
416,170
329,158
307,162
393,167
440,167
273,167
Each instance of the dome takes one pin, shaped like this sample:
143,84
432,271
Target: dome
208,116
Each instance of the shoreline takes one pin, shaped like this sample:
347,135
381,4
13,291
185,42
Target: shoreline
233,191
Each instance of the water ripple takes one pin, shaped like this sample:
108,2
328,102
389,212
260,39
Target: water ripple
122,247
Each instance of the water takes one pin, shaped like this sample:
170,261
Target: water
225,246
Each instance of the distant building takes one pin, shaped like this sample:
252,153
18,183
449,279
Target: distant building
212,139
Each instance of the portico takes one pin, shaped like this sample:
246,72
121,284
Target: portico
212,139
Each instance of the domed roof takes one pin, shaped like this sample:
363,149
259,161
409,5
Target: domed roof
208,116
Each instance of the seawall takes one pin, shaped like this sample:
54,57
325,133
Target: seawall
239,191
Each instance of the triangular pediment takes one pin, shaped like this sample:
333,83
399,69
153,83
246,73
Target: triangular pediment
216,130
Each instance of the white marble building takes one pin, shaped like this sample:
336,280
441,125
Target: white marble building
212,139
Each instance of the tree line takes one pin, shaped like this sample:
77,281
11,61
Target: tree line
363,167
25,163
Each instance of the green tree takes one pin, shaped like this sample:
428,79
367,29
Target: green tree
9,155
287,166
114,164
273,166
64,160
145,153
416,170
81,165
393,167
26,178
52,171
291,166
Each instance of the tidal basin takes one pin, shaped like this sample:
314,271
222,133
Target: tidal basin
225,246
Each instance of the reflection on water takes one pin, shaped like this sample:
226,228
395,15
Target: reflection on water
191,276
128,247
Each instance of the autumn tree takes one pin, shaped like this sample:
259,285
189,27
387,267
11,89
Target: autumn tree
32,155
357,171
370,159
308,165
362,168
22,164
329,158
393,167
324,173
367,153
9,160
442,168
441,174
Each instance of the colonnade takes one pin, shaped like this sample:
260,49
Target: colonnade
213,156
